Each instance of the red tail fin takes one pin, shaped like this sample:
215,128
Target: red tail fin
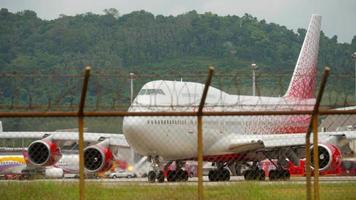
303,83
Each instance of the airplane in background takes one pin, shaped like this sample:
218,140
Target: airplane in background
12,165
243,140
16,165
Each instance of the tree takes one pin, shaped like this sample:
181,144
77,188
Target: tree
113,12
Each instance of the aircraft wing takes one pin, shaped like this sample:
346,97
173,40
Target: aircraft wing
235,143
46,149
285,140
114,139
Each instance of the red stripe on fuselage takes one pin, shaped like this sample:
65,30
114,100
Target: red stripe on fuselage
225,158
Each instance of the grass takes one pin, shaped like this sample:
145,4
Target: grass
241,190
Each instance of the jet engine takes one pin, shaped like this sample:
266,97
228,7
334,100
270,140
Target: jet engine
44,152
329,157
97,158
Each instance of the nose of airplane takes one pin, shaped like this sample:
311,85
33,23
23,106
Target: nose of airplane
133,129
128,128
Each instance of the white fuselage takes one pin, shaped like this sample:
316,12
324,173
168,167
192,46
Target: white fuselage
15,164
174,137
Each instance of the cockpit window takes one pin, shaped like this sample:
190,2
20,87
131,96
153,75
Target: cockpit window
151,92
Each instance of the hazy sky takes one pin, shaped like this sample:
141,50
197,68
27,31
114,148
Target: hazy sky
339,16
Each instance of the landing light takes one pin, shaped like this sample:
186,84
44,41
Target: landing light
130,168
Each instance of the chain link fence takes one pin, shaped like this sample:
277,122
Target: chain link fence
124,153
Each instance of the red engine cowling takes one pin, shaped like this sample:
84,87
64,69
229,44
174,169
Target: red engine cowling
43,152
329,157
97,158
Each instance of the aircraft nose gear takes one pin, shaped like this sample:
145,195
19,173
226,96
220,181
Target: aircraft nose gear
156,172
219,174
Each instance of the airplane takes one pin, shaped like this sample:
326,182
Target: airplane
46,150
12,165
16,164
243,140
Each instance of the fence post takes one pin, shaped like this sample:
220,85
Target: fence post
81,133
316,157
200,134
313,123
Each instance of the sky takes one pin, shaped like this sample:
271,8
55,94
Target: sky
339,16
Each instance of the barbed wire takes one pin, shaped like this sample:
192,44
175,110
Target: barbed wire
111,90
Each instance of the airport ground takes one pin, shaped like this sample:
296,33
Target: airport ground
138,188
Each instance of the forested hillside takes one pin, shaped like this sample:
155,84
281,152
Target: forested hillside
141,42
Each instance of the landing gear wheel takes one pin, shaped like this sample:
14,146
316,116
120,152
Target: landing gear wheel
171,176
151,176
213,175
273,175
219,175
249,175
224,175
160,177
181,175
279,175
285,175
185,176
260,175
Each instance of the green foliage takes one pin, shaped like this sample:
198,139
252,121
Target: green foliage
141,39
141,42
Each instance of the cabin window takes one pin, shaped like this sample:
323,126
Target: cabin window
151,92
